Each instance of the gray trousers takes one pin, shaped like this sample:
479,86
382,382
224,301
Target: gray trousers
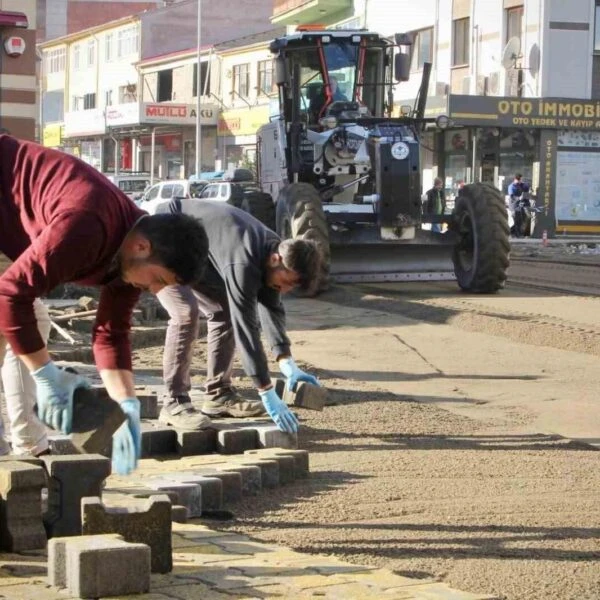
184,306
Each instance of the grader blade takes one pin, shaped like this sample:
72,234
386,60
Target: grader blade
391,262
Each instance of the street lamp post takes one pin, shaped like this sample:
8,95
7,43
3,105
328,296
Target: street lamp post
198,89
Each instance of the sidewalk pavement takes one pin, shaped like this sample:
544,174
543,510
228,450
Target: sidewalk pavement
214,565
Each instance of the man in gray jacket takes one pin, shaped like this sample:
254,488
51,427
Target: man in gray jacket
249,268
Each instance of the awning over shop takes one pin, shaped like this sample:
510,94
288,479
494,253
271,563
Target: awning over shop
13,19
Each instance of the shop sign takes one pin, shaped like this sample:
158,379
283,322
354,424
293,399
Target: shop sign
52,135
123,114
85,122
171,142
242,121
177,114
543,113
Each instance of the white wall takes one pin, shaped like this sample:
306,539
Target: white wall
228,61
567,53
102,75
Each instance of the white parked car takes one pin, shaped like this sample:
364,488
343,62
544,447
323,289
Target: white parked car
224,191
132,185
161,194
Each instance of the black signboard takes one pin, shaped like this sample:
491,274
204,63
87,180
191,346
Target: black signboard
541,113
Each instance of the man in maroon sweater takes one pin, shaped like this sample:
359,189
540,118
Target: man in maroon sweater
63,221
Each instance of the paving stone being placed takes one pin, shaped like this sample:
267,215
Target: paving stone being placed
188,494
70,478
149,523
304,395
191,443
301,458
96,417
98,566
21,525
158,440
269,436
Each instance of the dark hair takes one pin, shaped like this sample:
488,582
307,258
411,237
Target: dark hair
179,243
518,176
305,258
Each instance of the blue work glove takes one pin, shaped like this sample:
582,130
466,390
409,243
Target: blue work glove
127,440
55,389
293,374
278,410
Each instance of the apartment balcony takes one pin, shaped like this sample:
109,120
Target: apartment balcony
302,12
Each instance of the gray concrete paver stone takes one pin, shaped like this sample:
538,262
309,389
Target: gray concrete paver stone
190,443
250,475
304,395
70,478
269,436
269,469
235,441
21,525
157,440
188,495
101,569
96,417
301,458
212,487
149,523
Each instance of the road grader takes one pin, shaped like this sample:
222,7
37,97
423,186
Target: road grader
336,166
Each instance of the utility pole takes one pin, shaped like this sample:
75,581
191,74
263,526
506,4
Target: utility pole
198,94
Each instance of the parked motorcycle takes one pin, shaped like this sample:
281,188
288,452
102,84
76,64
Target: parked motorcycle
521,215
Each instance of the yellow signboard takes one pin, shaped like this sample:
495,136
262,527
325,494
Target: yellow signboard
52,135
242,121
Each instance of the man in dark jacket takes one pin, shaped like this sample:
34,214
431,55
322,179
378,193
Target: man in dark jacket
62,221
249,268
436,202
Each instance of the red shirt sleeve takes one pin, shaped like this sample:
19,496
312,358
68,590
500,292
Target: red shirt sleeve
63,251
111,343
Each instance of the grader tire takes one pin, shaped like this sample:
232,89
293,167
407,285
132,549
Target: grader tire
260,205
481,255
300,215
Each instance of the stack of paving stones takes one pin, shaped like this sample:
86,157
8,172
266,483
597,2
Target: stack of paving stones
106,534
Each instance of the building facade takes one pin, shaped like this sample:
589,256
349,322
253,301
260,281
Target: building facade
520,80
18,104
127,95
57,18
249,96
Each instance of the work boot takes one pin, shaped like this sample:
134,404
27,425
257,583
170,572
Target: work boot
180,413
231,404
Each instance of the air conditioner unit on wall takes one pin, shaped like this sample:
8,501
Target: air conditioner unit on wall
493,83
